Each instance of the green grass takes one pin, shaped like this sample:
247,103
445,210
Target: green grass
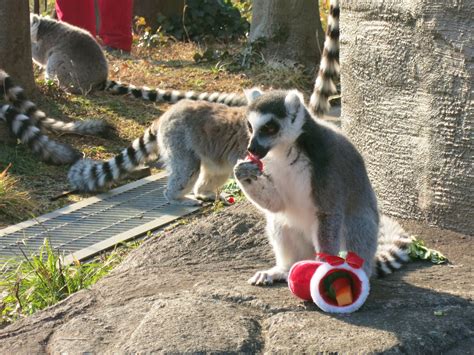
38,281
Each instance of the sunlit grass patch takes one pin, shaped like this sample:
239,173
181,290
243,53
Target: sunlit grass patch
15,204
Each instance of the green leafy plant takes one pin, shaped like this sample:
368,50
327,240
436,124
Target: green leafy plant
145,37
38,281
418,250
232,188
203,19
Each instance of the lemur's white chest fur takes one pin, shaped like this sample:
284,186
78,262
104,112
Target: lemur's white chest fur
288,168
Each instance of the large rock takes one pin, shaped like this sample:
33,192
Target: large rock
407,81
186,291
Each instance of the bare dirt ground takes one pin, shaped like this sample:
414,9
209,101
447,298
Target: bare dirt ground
186,291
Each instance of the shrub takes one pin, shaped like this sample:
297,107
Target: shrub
203,19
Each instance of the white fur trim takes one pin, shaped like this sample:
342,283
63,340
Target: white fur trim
326,307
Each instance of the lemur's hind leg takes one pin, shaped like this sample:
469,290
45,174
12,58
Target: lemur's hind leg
209,182
183,174
362,235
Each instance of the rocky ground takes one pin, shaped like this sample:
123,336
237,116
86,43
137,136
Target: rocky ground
186,291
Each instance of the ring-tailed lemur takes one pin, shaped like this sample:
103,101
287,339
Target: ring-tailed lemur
25,129
314,189
69,54
324,87
17,97
199,142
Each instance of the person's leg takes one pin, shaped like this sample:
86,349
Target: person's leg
116,23
78,13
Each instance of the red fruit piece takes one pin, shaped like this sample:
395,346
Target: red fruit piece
231,200
255,160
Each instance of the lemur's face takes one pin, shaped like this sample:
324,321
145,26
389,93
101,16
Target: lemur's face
274,119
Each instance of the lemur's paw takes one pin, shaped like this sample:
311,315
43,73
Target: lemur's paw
206,197
267,277
186,201
246,172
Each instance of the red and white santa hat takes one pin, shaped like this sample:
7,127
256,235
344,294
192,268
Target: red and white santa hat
312,280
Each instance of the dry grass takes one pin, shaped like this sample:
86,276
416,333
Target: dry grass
15,204
169,65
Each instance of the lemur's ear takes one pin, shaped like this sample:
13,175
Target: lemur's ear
33,18
252,94
294,100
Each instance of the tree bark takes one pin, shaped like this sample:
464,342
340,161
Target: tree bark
36,7
407,83
15,43
150,9
290,29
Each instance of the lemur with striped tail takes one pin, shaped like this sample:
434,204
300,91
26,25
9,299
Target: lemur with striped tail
16,96
26,130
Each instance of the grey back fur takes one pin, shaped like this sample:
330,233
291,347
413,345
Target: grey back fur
69,54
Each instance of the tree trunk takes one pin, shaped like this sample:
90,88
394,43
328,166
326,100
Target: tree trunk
36,7
290,29
15,49
150,9
407,80
15,43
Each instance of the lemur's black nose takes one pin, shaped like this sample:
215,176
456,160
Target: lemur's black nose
256,149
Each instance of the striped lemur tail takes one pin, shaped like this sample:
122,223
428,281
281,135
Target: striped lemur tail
25,129
325,85
17,97
392,247
173,96
89,175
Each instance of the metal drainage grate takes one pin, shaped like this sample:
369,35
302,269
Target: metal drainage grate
97,223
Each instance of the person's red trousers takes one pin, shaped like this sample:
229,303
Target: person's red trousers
78,13
115,19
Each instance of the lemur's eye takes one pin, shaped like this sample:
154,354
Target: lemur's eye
249,127
270,128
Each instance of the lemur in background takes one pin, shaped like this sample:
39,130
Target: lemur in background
69,54
73,57
313,188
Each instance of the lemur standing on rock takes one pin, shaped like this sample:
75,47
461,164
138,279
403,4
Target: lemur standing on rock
313,188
